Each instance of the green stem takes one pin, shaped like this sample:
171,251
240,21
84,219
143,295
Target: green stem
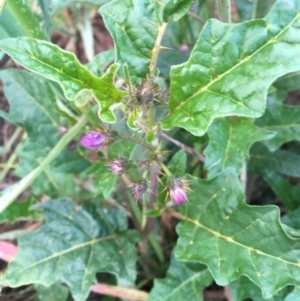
8,166
155,51
130,138
225,10
25,19
11,141
190,30
254,9
15,190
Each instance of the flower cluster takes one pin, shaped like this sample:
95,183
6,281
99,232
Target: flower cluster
177,189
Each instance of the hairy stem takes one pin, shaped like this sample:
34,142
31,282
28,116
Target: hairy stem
155,51
183,146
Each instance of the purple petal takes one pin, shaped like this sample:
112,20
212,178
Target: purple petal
93,140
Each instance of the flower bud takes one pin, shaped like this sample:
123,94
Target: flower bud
119,166
195,5
138,189
93,140
177,191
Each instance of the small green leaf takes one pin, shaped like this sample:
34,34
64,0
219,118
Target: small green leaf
235,239
72,246
227,73
18,211
55,292
286,84
280,161
284,120
134,27
229,143
63,67
292,219
252,9
177,164
177,7
288,193
184,281
100,62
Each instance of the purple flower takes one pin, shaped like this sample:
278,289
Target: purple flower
119,166
184,48
93,140
177,191
195,5
138,189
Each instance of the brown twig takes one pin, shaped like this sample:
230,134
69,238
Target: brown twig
183,146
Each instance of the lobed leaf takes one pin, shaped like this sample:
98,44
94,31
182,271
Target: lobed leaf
134,26
229,143
228,74
294,295
235,239
289,194
281,161
72,246
63,67
184,281
284,120
243,289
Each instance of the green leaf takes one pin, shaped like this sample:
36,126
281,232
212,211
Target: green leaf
177,7
280,161
294,295
72,246
229,143
288,193
100,62
286,84
292,219
8,26
134,26
177,164
55,292
184,281
63,67
227,73
18,211
284,120
59,5
235,239
251,9
32,102
244,289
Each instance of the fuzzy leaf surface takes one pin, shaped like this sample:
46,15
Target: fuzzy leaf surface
229,143
284,120
227,73
184,281
239,239
134,26
72,246
63,67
